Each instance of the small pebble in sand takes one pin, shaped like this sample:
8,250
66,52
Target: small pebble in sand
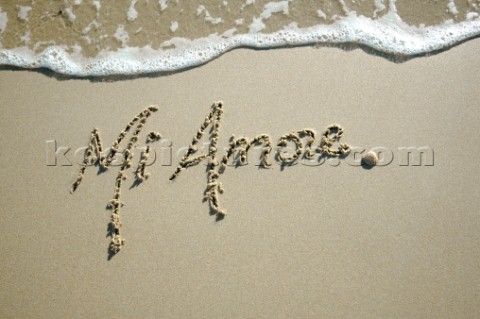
370,159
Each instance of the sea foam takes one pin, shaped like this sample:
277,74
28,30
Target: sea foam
388,34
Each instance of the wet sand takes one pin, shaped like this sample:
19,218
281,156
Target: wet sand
108,25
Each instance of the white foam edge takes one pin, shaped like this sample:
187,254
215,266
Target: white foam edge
387,34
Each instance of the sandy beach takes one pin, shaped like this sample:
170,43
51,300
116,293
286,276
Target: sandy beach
324,241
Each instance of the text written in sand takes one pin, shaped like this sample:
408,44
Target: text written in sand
304,143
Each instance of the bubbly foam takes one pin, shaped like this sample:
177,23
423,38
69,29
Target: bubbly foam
3,21
387,34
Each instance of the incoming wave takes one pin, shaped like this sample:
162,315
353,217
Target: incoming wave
387,33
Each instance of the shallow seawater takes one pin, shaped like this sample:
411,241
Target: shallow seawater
104,37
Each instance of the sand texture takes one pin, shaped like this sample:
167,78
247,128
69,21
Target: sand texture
299,241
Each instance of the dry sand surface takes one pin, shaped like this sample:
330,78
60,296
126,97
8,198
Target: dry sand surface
299,242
